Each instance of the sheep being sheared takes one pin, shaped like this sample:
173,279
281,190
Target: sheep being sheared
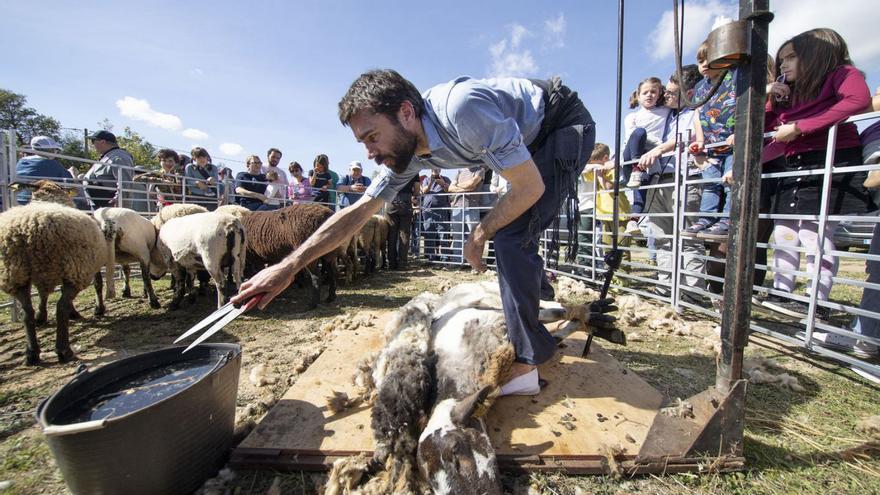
471,359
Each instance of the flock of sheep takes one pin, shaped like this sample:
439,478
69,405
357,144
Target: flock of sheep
49,243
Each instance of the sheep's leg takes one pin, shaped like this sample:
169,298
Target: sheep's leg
99,295
179,281
204,277
62,328
193,292
148,286
109,271
42,313
126,272
74,314
32,354
331,272
316,287
217,276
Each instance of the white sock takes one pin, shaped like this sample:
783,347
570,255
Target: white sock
526,384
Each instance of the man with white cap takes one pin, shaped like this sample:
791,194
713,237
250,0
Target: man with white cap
34,167
354,184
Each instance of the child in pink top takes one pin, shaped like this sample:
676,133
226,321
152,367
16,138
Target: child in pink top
821,88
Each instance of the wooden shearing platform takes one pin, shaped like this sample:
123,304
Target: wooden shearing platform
592,409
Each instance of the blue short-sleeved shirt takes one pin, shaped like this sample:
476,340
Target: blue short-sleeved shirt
348,180
472,122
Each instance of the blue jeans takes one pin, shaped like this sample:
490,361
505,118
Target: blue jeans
715,194
434,228
463,220
865,325
636,146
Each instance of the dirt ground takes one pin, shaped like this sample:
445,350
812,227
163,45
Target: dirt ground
793,442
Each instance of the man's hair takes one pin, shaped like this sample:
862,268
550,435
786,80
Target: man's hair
268,153
251,158
690,76
167,153
198,151
322,159
600,151
379,91
703,51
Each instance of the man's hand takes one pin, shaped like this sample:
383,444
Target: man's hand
473,249
787,133
358,188
201,184
649,158
270,282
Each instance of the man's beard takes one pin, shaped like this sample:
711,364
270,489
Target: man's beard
402,150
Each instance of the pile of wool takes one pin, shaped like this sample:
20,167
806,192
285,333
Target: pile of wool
348,321
869,426
219,484
761,371
630,310
571,290
260,376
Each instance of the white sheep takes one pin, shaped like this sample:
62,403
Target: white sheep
47,244
214,242
174,211
133,241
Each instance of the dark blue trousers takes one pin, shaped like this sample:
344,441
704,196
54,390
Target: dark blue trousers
520,268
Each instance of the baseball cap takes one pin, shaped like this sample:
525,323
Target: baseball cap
105,135
356,164
44,143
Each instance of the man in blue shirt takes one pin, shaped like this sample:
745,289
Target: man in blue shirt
536,134
35,167
354,184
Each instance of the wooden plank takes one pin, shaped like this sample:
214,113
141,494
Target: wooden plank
523,429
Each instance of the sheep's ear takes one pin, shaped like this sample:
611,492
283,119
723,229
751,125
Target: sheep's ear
471,406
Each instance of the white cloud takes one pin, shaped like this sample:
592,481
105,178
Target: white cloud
508,59
196,72
194,134
137,109
231,149
699,18
851,18
554,32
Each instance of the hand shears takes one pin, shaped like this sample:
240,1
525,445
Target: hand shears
220,319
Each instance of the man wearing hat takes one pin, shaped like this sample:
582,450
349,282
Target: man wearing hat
115,164
354,184
34,167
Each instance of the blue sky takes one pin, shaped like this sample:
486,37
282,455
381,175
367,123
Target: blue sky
241,77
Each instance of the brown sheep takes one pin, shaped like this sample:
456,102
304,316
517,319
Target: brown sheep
272,235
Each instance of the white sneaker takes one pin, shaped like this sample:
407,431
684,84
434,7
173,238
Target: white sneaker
832,341
632,227
526,384
635,179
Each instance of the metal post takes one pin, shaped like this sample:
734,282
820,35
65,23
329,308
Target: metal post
745,195
8,142
681,166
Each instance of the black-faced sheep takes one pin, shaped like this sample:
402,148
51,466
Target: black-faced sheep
272,235
133,241
47,244
214,242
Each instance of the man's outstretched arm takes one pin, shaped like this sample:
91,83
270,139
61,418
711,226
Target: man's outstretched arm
272,280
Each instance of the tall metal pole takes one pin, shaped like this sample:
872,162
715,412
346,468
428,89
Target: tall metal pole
745,192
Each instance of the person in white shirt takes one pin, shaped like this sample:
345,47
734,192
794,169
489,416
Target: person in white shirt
273,157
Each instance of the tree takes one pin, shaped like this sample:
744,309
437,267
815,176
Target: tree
27,122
